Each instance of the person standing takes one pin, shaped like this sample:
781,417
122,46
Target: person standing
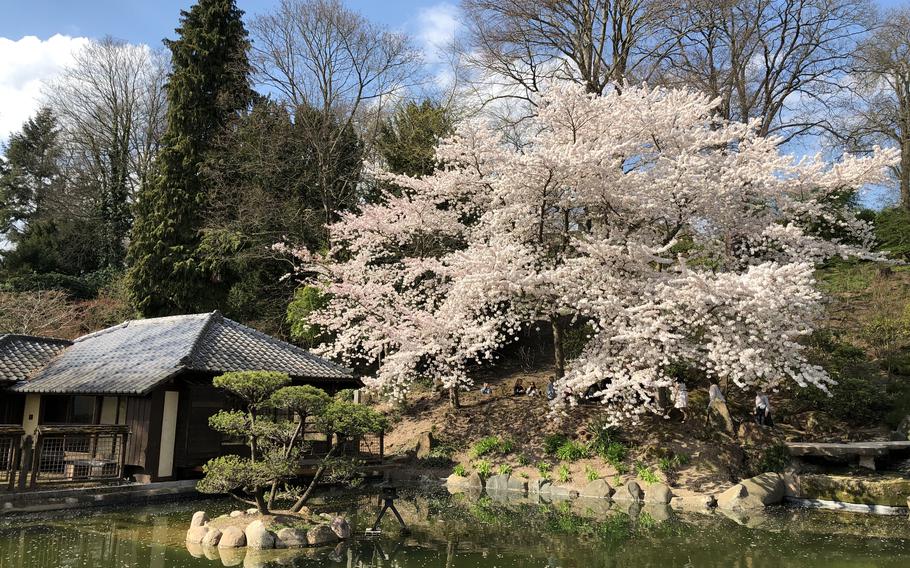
763,409
681,398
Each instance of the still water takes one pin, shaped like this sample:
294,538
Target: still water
462,531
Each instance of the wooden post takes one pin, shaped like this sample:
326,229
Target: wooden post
381,445
13,466
25,464
36,460
122,459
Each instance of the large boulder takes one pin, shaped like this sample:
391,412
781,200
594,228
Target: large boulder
341,527
211,537
754,493
196,534
290,537
498,482
560,492
424,444
257,536
200,518
235,514
517,484
232,537
471,481
597,489
658,493
631,491
321,535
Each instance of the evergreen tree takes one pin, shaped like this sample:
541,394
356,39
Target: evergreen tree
208,85
407,141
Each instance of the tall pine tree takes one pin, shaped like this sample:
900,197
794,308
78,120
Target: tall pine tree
208,85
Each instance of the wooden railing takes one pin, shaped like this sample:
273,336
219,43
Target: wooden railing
61,454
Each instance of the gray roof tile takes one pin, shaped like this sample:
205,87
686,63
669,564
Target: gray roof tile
22,354
136,356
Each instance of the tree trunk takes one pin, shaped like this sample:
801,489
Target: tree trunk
557,322
454,402
287,454
259,496
320,471
905,175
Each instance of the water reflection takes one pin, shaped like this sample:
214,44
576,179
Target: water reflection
483,531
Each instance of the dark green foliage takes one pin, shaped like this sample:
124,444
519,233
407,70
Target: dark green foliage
307,300
492,445
349,419
208,85
774,458
255,388
407,141
303,400
892,232
571,451
552,443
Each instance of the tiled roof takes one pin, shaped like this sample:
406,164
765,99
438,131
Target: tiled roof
136,356
22,354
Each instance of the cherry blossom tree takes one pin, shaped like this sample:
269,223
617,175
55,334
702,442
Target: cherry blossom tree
675,237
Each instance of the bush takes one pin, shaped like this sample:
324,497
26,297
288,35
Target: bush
591,473
306,300
563,473
775,458
74,286
892,232
491,445
544,469
552,442
505,469
483,468
571,451
459,470
646,474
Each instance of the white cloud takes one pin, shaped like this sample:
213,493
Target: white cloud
24,64
436,29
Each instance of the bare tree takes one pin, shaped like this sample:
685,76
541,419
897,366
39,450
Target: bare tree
876,110
336,71
515,46
35,313
110,104
772,60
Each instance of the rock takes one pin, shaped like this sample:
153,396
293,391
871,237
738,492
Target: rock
461,483
631,491
341,527
560,492
498,483
658,493
425,444
232,537
199,519
232,556
538,486
196,534
235,514
694,501
598,489
904,426
211,537
257,536
252,511
890,491
755,493
321,535
291,538
792,486
517,484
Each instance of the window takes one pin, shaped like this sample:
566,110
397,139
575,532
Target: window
69,409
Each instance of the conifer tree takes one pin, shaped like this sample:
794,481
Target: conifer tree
208,85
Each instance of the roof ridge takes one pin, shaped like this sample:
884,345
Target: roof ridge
101,332
213,317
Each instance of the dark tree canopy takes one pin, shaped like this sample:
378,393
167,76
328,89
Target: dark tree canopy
207,87
407,140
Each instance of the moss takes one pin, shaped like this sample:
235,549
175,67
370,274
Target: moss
867,491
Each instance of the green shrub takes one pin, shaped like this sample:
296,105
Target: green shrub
459,470
646,474
306,300
563,473
492,445
483,468
544,469
552,442
505,469
571,451
672,462
524,460
591,473
892,232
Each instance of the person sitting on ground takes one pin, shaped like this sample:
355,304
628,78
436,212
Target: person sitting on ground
532,390
551,390
486,389
762,409
518,389
681,398
718,403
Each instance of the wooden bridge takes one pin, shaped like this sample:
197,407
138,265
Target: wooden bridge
866,452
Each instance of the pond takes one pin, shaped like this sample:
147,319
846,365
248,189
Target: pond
461,531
